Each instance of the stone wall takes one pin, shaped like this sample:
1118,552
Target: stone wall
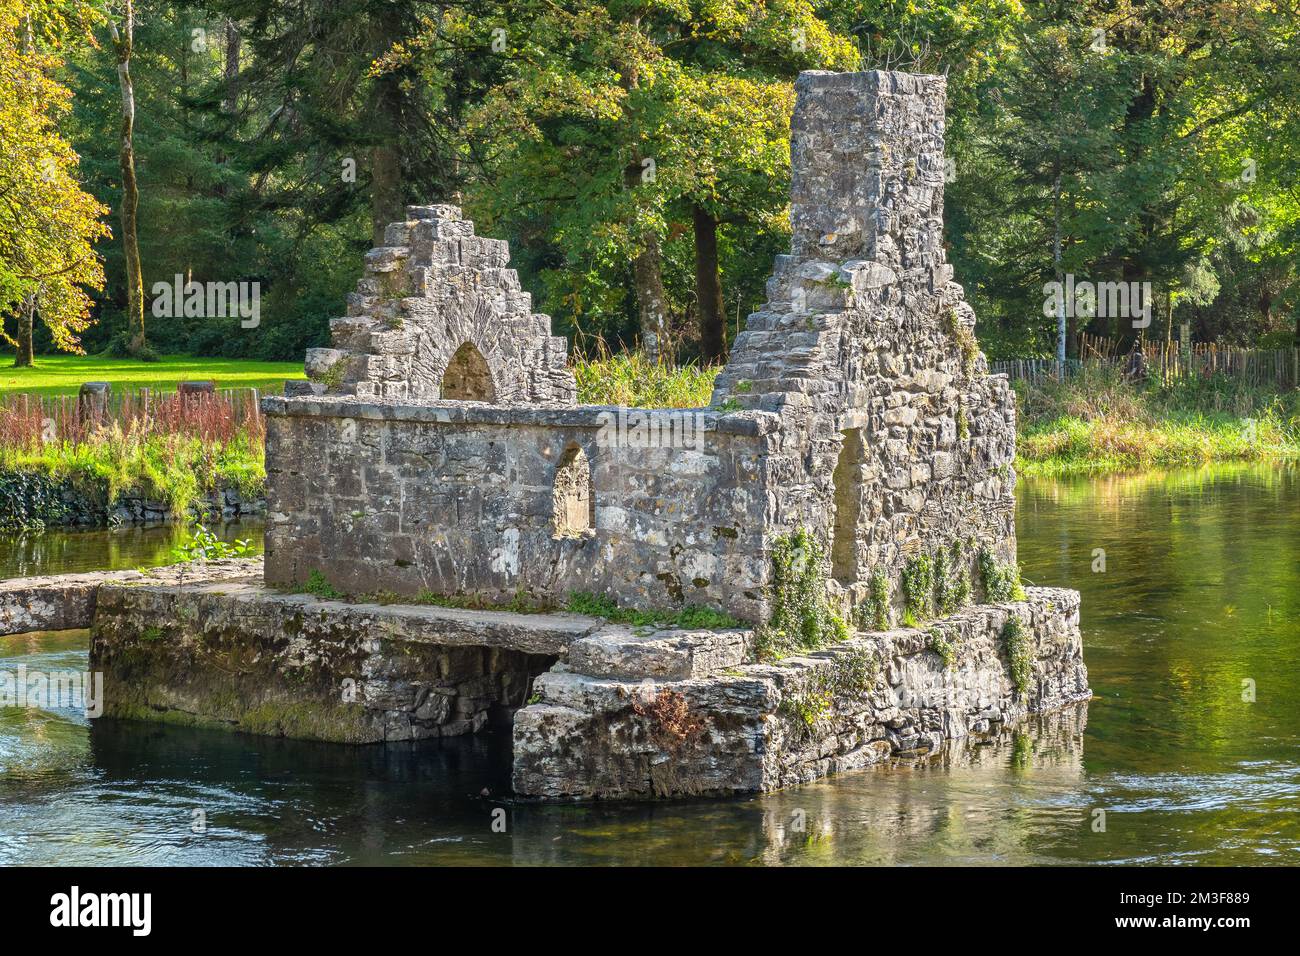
461,499
439,315
898,442
704,721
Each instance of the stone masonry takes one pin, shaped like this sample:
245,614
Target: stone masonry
430,291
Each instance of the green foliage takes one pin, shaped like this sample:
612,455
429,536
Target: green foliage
802,617
877,607
849,679
203,545
30,500
941,645
320,586
691,616
1098,421
1001,581
918,589
1015,643
174,468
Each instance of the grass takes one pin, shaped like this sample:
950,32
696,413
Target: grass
630,380
691,616
1097,422
63,374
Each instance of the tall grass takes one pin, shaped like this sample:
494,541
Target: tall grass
632,380
1098,421
170,448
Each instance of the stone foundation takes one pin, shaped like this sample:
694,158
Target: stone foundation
601,710
235,655
614,731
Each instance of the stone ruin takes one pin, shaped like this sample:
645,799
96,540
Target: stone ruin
437,456
856,404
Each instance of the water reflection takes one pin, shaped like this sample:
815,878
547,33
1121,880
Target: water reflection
136,546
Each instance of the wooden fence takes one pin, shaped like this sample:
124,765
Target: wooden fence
1170,362
27,420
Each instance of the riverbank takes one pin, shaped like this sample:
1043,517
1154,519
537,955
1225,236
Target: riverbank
1099,423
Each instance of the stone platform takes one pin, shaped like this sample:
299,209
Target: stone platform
710,722
600,710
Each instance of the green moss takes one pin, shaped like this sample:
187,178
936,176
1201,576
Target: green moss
308,720
802,617
966,343
963,425
1015,644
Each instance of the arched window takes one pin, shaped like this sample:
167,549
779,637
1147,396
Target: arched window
467,378
847,480
574,505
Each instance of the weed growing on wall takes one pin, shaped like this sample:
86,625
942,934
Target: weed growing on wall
1001,581
318,585
29,501
849,679
941,645
918,588
952,588
671,721
876,611
802,616
1015,642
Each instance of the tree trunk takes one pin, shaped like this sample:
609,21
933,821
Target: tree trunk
708,286
386,157
24,358
651,299
231,72
123,43
1061,320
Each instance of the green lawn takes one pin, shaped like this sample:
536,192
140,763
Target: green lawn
63,374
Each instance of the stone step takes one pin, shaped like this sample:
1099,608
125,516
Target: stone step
667,655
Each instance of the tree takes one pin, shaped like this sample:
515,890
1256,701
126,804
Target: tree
48,224
123,47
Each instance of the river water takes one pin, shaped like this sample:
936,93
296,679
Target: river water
1189,752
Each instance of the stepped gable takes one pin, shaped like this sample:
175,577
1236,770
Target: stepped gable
439,315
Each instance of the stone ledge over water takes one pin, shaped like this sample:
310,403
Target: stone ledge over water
62,602
763,727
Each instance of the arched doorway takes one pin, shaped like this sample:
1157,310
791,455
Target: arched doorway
468,378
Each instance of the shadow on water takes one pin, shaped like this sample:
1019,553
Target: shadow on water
1200,592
